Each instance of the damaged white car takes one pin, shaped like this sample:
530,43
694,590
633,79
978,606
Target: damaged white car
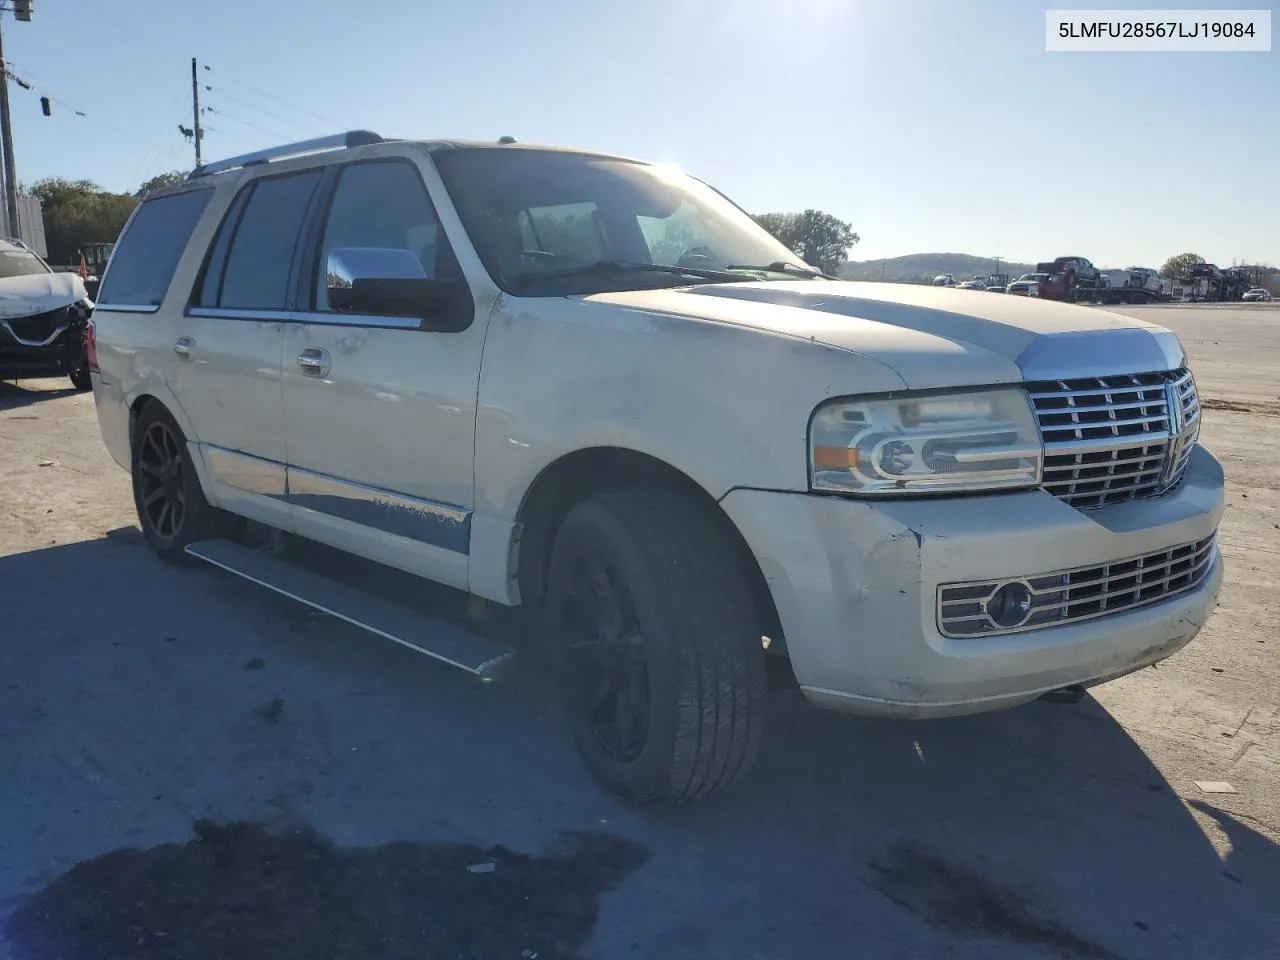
43,317
597,389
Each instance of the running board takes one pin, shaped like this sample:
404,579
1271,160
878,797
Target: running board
457,647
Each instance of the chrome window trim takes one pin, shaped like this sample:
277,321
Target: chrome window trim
230,313
358,320
307,316
100,307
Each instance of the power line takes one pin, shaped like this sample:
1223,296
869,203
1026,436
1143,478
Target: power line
301,126
234,119
222,133
27,80
159,138
272,96
167,159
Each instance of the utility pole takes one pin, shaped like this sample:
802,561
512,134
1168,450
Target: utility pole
6,140
197,133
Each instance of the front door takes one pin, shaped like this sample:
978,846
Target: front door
380,408
225,366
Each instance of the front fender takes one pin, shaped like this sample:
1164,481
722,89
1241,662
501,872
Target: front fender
726,405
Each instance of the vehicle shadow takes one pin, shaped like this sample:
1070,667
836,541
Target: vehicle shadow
137,699
20,393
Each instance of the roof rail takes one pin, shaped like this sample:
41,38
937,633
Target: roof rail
338,141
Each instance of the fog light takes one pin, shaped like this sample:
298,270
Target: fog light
1009,606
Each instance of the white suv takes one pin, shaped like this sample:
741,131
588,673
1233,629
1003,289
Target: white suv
596,388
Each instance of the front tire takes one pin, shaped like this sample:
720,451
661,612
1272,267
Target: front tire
172,509
80,378
656,646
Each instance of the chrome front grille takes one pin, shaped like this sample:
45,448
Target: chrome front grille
38,330
1067,596
1109,439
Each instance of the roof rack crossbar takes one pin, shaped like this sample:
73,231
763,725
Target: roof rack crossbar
338,141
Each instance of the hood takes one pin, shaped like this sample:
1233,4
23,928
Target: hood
38,293
931,336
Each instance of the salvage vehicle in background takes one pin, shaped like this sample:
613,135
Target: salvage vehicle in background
1027,285
43,318
1079,271
93,264
1257,295
595,389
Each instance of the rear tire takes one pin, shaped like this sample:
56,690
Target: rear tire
656,647
172,509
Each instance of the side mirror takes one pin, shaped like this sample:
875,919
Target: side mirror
388,281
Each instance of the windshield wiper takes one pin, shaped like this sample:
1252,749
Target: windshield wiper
628,266
780,266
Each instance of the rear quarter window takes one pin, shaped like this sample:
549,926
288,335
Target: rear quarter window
148,251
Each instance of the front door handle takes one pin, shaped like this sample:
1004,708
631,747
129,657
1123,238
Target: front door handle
182,347
314,362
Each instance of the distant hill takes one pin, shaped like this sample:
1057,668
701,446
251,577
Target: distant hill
923,267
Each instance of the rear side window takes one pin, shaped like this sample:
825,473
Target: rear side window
144,259
251,260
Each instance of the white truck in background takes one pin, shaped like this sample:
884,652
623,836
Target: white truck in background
1144,281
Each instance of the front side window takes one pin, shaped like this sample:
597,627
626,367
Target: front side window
381,223
252,259
145,257
552,223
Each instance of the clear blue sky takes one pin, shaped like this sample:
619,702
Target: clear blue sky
931,125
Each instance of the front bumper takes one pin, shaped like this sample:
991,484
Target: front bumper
44,345
856,584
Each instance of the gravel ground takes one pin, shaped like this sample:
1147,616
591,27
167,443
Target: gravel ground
192,767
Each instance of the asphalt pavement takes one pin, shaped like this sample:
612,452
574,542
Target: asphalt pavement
193,767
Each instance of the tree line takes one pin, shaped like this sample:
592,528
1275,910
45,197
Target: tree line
79,212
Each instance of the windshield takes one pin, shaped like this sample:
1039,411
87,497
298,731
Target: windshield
20,263
535,216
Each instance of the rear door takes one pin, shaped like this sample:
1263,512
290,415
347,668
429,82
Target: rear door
380,409
134,336
225,364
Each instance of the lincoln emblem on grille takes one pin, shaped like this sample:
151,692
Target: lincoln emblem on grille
1179,434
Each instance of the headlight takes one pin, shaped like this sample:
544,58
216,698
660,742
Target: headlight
943,443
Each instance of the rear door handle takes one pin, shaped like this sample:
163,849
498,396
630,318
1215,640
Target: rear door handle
182,347
314,362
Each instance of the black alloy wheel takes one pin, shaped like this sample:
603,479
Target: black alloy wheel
162,500
656,645
606,658
172,509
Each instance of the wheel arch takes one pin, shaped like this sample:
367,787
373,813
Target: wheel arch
137,404
583,473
